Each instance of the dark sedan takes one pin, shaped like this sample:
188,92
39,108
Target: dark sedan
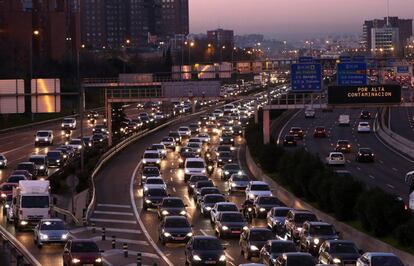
204,250
193,180
153,197
230,169
253,239
81,252
175,229
365,155
289,140
274,248
171,206
341,252
230,224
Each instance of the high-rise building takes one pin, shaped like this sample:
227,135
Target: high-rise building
220,37
48,28
404,26
110,23
385,41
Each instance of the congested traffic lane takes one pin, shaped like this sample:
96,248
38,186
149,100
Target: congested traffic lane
387,171
174,177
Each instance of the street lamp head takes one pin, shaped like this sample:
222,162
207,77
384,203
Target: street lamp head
128,41
36,32
224,47
192,44
82,46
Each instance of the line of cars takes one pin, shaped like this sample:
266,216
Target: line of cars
293,237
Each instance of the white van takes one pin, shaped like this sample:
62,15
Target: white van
194,166
344,120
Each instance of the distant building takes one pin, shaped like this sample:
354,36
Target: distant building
220,37
248,40
404,26
385,41
109,24
409,48
48,29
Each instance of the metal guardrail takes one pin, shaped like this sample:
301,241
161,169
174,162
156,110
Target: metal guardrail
13,252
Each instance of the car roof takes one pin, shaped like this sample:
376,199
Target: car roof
318,223
295,211
374,254
175,217
258,183
37,156
194,160
201,237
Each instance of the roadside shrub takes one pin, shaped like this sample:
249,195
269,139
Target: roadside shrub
344,194
405,233
270,156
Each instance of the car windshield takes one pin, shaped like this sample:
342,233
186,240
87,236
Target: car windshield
194,145
42,134
176,203
35,201
176,223
268,200
2,157
207,244
214,199
364,150
224,148
386,261
183,129
240,178
211,190
289,138
15,178
167,139
195,164
303,217
151,155
261,187
7,188
227,208
155,181
24,166
53,154
301,261
342,248
320,230
52,225
202,184
337,155
151,171
232,217
196,178
156,192
283,247
158,147
261,235
225,154
67,120
320,129
37,160
82,247
343,142
281,212
231,167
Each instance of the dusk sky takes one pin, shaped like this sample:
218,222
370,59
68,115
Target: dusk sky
292,19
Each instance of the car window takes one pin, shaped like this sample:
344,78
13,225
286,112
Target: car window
261,235
207,244
52,225
84,247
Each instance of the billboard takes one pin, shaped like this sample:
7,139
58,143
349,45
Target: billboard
45,95
181,72
306,77
184,89
12,96
206,72
372,94
243,67
352,74
226,70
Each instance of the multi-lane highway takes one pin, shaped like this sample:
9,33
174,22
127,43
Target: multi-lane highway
388,170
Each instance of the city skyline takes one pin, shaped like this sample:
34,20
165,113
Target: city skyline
344,18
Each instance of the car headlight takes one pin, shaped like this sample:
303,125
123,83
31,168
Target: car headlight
183,212
316,241
62,125
220,160
90,144
65,156
231,139
190,234
208,208
245,228
336,260
239,172
253,248
251,196
222,258
7,206
187,171
158,161
3,195
37,139
225,228
196,258
43,236
221,139
65,236
164,212
226,172
75,260
233,184
23,222
98,260
147,201
144,161
166,234
203,171
262,209
58,161
230,160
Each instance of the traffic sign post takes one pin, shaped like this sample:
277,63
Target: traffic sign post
306,77
352,74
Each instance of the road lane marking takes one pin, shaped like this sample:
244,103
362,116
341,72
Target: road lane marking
112,221
174,189
358,168
114,213
109,229
381,161
112,252
123,240
372,177
138,218
395,169
390,186
114,205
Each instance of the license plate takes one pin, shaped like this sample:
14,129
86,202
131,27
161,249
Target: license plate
210,262
90,264
178,238
236,232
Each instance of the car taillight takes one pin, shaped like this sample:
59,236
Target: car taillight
349,145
